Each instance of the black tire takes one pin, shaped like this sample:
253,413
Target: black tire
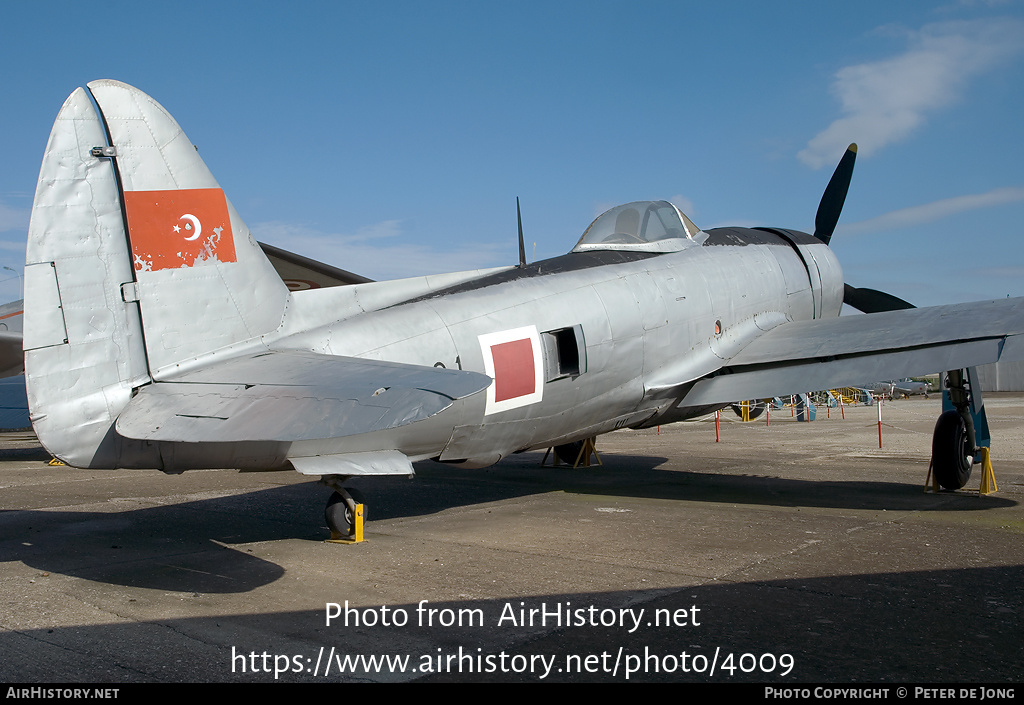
569,452
951,460
756,409
339,517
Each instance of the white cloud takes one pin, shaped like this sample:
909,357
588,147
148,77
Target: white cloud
1016,273
884,101
929,212
13,219
279,231
977,3
373,252
684,204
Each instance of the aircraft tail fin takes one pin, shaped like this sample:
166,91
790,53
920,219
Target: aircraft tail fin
203,283
136,265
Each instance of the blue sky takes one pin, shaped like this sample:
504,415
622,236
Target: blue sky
392,138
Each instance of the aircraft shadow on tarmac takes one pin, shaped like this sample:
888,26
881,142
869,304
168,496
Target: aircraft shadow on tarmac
959,625
642,477
31,453
187,546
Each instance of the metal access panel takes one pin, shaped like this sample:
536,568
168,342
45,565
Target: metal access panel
44,315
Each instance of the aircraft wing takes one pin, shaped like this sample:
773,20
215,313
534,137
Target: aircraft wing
12,357
300,273
292,396
822,354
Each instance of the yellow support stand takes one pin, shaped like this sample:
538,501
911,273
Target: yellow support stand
585,452
357,532
988,476
54,461
582,459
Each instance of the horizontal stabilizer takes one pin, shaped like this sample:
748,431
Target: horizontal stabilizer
292,396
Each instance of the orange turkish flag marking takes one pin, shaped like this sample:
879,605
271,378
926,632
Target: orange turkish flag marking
178,228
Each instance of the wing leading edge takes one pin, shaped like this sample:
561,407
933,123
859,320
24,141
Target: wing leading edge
299,272
809,355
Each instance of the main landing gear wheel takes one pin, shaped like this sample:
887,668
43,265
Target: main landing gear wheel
756,409
340,513
951,457
569,453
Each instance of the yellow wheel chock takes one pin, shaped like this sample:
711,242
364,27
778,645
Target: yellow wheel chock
988,476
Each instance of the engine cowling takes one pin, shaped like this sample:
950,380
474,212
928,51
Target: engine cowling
824,274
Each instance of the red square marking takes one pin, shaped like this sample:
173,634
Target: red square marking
514,373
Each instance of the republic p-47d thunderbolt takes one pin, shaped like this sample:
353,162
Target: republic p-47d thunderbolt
157,333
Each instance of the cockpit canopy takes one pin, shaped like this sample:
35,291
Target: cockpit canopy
644,226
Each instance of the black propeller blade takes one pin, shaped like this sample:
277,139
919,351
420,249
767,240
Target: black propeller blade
872,300
835,195
864,300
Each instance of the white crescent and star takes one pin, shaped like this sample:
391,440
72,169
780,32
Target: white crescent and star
196,225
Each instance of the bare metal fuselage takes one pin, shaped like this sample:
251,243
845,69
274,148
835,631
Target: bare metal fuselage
647,321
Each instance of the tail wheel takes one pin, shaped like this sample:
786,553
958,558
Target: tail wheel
340,515
951,458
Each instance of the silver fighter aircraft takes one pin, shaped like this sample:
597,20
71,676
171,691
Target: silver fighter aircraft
897,387
157,333
909,387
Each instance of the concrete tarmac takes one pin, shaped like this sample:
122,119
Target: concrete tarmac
786,553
